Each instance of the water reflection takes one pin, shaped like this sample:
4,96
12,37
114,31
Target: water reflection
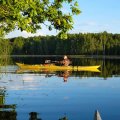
34,116
109,67
7,112
65,75
63,118
8,115
60,95
12,115
2,94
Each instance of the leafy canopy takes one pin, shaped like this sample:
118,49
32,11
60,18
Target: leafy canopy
29,15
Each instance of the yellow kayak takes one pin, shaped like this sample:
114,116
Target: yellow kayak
52,67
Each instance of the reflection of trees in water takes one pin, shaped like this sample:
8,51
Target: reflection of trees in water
4,62
108,67
12,115
34,116
7,112
2,95
63,118
8,115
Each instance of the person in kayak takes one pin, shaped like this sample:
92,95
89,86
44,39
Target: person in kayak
66,61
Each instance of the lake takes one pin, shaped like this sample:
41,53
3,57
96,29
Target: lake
46,95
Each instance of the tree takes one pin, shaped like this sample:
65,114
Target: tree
29,15
5,47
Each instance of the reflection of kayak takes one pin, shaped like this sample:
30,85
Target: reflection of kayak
52,67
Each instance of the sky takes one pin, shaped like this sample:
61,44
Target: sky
97,16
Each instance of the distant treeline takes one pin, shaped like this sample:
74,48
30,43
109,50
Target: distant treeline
77,44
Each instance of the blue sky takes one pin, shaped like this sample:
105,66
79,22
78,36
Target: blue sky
96,16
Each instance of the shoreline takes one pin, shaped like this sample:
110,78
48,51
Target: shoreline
71,56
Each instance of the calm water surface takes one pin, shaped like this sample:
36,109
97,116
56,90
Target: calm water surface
52,98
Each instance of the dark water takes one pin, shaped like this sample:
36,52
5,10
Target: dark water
47,96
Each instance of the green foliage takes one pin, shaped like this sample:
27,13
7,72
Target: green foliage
5,47
75,44
28,15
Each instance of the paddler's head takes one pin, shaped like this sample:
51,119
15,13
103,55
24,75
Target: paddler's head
65,57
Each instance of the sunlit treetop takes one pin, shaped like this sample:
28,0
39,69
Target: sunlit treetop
29,15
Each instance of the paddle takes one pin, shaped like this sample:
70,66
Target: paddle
49,61
60,62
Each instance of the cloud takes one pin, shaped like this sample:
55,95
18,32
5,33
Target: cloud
29,78
42,32
26,34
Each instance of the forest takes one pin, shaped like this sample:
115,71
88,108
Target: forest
76,44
